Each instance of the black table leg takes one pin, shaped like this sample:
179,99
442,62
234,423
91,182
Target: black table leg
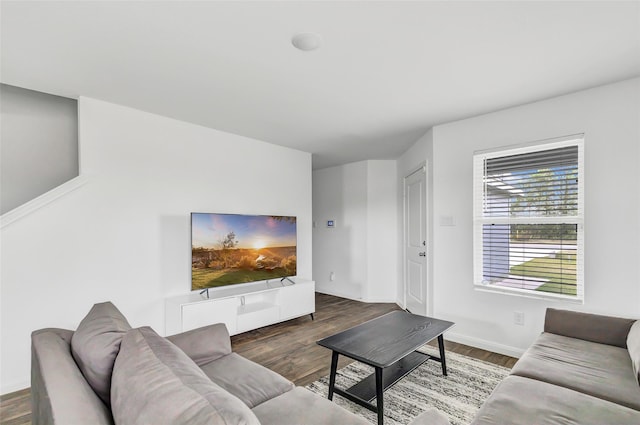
379,392
332,376
442,360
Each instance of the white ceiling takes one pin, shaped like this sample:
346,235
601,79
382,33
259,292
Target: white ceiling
386,72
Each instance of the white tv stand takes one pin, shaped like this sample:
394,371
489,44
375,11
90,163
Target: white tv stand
241,307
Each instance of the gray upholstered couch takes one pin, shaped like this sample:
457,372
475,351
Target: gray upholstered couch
583,369
106,373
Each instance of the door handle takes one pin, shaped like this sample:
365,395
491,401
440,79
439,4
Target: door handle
422,254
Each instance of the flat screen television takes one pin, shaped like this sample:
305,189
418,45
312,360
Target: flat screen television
229,249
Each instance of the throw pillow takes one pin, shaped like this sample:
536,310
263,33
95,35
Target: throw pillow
95,345
154,382
633,345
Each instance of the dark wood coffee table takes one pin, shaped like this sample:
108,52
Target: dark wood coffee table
388,343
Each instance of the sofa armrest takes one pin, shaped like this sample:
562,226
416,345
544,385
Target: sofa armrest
204,344
589,327
430,417
59,392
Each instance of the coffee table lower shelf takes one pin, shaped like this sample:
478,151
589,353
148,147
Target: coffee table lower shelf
364,392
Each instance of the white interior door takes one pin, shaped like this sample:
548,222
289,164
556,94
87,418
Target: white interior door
415,241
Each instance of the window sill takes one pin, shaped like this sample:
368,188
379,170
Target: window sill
529,294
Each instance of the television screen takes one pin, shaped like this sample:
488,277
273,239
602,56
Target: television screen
228,249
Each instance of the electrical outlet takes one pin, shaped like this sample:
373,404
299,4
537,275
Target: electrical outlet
332,276
518,318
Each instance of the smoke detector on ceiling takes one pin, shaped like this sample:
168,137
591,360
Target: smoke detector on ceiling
306,41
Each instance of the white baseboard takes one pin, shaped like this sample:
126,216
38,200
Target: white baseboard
379,300
351,297
14,386
484,344
337,294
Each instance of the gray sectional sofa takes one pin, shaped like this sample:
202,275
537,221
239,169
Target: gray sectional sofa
583,369
106,373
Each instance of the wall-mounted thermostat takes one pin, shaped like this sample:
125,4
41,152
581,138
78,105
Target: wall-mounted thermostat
331,224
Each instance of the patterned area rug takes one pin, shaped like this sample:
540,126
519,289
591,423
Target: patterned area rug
458,395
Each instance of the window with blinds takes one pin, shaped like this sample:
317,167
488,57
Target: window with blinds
528,219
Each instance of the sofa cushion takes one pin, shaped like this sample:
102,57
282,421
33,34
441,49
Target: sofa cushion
431,416
589,327
523,401
600,370
299,405
204,344
154,382
249,381
633,345
95,345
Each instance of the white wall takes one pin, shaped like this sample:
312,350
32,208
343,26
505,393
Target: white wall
125,235
38,144
609,116
361,249
382,234
339,193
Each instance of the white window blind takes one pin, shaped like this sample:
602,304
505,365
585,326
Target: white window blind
528,219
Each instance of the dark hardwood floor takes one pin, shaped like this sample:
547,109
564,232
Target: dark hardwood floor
15,408
288,348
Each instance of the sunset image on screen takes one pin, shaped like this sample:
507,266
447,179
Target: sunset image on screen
228,249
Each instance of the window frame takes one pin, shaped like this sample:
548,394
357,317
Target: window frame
479,218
